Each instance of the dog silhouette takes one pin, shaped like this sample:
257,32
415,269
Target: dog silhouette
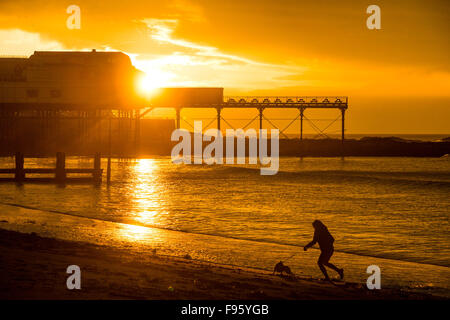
280,268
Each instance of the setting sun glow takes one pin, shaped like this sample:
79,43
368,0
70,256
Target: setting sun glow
149,84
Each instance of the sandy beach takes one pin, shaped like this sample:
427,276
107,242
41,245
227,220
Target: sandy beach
33,267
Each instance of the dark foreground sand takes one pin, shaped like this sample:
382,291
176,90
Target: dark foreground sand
32,267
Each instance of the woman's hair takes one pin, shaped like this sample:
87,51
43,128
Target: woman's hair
317,224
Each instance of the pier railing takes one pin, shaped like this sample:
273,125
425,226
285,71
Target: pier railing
307,101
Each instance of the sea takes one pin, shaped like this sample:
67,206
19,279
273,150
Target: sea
389,212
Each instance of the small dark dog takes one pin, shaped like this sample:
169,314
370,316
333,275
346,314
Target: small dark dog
280,268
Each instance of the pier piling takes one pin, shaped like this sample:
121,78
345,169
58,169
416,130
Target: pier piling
60,172
19,174
97,173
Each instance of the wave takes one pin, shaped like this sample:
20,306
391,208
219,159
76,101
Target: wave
223,236
413,179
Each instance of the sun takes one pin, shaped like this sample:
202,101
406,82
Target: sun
152,80
148,85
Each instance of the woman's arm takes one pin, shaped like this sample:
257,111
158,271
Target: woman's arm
313,242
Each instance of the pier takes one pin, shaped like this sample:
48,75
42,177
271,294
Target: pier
261,103
45,109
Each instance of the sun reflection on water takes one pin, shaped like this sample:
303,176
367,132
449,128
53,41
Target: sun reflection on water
144,166
146,197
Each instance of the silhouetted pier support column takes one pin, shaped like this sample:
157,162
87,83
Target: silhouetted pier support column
301,132
97,174
178,111
260,118
218,118
343,131
108,171
60,172
19,175
301,123
137,132
108,168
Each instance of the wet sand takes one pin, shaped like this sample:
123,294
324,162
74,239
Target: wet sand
33,267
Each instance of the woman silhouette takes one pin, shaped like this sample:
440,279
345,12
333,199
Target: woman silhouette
325,240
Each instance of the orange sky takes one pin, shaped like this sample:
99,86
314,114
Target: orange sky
397,78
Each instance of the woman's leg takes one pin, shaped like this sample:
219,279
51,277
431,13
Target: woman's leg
332,266
323,260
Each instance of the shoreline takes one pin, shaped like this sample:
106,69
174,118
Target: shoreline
34,267
299,247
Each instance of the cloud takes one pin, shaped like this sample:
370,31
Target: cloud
190,63
162,30
19,42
